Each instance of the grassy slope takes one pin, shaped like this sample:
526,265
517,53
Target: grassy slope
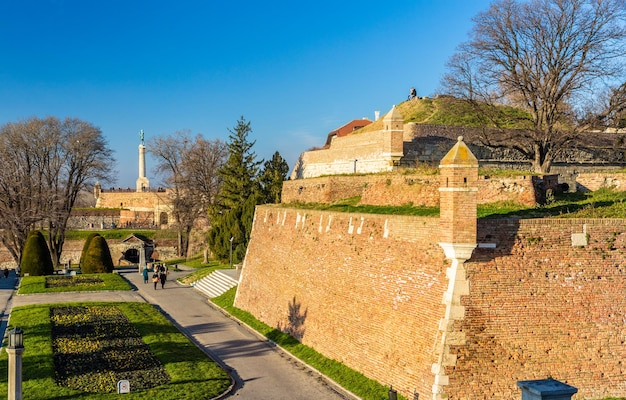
454,112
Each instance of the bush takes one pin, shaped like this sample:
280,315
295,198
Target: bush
97,258
36,260
86,246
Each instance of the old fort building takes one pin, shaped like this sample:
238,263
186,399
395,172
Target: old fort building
448,307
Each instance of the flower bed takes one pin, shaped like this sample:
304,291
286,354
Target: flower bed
96,346
76,280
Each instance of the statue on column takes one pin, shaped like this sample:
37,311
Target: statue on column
141,136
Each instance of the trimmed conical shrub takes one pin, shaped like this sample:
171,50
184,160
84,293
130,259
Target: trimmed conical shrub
86,246
36,260
97,258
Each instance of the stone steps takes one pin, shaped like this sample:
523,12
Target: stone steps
217,283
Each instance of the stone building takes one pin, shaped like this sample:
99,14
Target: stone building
142,207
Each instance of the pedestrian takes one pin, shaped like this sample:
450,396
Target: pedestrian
163,277
6,272
145,274
155,279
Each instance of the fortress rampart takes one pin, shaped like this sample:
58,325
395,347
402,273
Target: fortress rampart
398,189
545,299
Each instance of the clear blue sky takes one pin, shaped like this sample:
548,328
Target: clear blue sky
295,69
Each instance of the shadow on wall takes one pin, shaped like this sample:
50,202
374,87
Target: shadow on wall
296,318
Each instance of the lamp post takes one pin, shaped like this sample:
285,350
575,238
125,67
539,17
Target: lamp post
231,251
15,349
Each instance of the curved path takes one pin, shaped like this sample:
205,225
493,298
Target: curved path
261,371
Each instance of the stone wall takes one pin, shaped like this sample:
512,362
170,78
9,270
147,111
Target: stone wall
72,250
139,209
367,290
595,181
365,152
400,189
427,144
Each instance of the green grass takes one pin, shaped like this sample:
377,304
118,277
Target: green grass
348,378
193,374
37,284
351,205
202,271
602,203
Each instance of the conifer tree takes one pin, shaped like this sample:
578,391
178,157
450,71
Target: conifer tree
239,193
239,173
36,260
86,246
97,258
271,179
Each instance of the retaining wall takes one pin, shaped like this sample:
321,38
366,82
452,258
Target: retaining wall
367,291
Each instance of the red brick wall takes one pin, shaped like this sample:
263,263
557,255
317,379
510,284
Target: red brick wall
399,189
369,288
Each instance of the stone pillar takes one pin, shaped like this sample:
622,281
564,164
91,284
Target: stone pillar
142,182
458,197
393,132
15,373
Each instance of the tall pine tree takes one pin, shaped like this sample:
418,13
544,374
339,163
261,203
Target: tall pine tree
239,193
272,177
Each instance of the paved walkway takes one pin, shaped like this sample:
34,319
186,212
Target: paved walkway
261,372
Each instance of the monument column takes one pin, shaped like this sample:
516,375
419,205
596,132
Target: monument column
457,220
143,183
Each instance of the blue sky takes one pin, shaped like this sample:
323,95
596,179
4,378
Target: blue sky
295,70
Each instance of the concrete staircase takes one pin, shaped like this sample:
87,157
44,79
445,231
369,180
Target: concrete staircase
218,282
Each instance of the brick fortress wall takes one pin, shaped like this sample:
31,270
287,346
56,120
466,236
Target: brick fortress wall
367,290
398,189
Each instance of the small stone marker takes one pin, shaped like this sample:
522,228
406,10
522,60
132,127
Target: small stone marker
123,386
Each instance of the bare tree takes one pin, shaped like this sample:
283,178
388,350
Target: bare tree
547,57
80,159
190,171
48,162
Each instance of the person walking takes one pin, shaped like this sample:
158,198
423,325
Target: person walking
145,274
163,276
155,278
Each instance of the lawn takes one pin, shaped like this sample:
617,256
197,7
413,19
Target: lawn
93,350
74,283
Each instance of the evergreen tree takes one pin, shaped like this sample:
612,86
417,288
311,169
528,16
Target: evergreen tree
272,177
234,209
97,258
36,260
239,173
86,246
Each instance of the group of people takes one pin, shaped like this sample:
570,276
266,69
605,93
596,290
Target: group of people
159,275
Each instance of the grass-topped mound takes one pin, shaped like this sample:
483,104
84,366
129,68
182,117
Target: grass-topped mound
446,110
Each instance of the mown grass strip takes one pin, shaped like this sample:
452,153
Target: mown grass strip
76,283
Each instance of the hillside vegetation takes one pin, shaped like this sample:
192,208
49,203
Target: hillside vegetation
603,203
446,110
